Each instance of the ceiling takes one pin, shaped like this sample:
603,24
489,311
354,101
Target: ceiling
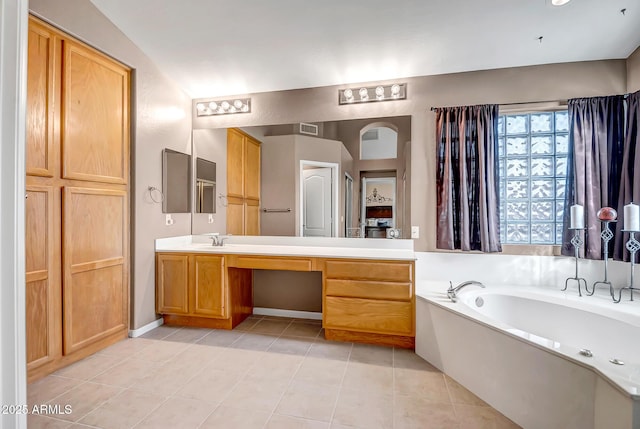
215,48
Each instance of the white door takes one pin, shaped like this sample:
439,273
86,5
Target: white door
316,202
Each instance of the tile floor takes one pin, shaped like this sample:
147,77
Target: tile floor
267,373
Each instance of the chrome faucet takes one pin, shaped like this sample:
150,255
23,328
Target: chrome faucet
452,292
218,240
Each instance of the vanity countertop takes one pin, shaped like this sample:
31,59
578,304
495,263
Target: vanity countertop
325,247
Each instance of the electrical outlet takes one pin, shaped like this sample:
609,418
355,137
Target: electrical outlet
168,220
210,219
415,232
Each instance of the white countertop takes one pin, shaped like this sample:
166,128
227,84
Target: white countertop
390,249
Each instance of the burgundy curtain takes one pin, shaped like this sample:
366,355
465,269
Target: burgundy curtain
467,182
596,139
630,163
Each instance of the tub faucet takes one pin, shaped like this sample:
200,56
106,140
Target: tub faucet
452,292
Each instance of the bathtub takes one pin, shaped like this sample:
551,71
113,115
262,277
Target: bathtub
518,348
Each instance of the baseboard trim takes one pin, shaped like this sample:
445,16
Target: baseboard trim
133,333
294,314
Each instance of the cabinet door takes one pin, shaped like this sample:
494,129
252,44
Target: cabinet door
172,279
235,216
251,217
252,169
95,265
40,151
95,128
207,291
42,278
235,163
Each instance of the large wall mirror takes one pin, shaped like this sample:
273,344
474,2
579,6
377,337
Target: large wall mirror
205,186
312,184
176,182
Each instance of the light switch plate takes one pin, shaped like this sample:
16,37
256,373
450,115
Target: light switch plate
210,219
168,220
415,232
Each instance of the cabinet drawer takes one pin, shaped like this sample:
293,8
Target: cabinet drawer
368,289
374,270
375,316
269,263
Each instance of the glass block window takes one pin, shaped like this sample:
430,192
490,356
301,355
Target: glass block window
533,168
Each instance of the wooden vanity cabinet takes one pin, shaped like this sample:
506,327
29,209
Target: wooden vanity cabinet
243,183
191,285
369,301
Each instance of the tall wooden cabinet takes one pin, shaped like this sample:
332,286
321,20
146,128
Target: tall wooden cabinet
243,183
77,206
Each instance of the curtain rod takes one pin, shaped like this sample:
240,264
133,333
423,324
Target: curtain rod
529,102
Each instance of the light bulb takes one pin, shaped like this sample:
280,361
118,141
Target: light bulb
395,90
233,109
200,107
237,104
364,94
348,94
559,2
213,105
245,108
379,91
225,105
221,110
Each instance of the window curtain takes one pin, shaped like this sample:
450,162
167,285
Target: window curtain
629,185
595,164
467,181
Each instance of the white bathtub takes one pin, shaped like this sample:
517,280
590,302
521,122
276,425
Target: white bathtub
519,351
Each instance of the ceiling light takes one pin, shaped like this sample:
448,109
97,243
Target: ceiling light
222,107
559,2
397,91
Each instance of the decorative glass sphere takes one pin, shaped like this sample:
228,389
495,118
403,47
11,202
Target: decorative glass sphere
607,213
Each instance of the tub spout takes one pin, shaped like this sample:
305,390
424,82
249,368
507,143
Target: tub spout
452,292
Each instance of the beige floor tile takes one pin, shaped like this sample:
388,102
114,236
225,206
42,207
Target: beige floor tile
220,338
460,395
123,411
309,321
370,378
126,348
43,422
160,351
474,417
187,335
291,346
309,401
47,388
426,385
276,366
89,367
271,327
166,379
126,373
330,350
407,359
160,332
375,355
410,412
227,417
286,422
503,422
302,329
253,341
210,385
360,409
83,399
256,393
325,372
194,358
247,324
178,413
236,360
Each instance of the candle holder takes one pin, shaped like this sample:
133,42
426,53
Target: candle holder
632,246
606,236
577,243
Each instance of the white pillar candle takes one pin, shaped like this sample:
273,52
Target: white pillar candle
632,217
577,216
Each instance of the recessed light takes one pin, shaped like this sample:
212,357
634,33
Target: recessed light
559,2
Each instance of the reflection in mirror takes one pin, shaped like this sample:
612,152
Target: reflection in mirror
319,198
176,182
378,143
205,186
284,146
378,206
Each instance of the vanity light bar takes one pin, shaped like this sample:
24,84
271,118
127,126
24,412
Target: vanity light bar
366,94
223,107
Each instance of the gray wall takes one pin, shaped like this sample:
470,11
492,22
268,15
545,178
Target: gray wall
633,71
161,118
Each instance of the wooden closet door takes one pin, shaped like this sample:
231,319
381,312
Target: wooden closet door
40,150
42,260
235,163
235,216
251,217
95,128
252,169
95,265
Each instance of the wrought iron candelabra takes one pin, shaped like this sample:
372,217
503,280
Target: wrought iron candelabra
577,243
606,236
632,246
